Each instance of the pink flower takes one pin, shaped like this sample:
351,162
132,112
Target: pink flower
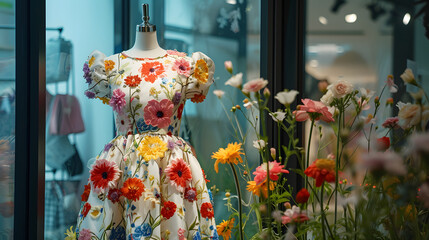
314,110
340,88
84,234
254,85
175,52
158,114
123,123
181,234
387,161
117,102
391,123
182,67
391,84
294,215
275,170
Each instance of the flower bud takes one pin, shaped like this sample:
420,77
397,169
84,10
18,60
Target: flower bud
233,109
267,92
377,100
228,66
245,173
245,100
389,101
273,153
263,208
227,194
238,107
287,205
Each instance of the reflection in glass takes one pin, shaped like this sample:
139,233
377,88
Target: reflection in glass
7,117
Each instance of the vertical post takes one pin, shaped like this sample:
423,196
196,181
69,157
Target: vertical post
30,120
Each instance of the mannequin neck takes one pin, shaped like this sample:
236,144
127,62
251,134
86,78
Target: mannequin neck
146,46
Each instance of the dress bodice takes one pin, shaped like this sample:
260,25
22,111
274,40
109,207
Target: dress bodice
148,94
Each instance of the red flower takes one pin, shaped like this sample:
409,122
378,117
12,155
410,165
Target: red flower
85,209
133,188
86,192
151,70
133,81
158,114
321,170
104,174
198,98
383,143
191,194
168,209
180,111
205,176
179,174
182,67
207,210
114,195
302,196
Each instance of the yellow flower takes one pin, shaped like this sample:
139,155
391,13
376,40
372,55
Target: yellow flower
256,189
152,148
201,72
224,228
70,234
104,99
91,61
108,65
231,154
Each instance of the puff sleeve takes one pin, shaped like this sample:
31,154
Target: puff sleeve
95,71
203,69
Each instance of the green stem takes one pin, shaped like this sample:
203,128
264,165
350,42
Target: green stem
337,166
322,211
308,152
237,184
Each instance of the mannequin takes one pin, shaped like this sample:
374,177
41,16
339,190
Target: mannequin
146,43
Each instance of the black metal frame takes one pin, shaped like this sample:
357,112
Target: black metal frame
282,61
30,119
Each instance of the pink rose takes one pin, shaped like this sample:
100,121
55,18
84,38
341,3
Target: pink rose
340,88
254,85
314,110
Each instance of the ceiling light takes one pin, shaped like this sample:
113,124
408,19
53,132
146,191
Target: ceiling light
406,19
351,18
323,20
232,2
337,5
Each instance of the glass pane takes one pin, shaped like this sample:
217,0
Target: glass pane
7,117
77,127
223,30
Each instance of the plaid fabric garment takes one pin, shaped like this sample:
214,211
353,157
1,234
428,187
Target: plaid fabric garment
54,212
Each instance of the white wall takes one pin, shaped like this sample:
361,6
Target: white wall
89,26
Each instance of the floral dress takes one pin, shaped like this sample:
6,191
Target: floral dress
146,182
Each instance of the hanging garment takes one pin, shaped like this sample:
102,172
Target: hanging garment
58,52
66,117
58,147
54,206
146,182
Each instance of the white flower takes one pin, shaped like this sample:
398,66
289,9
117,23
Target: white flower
340,88
95,211
286,97
408,77
327,98
249,104
218,93
278,116
291,212
254,85
235,80
228,66
366,93
259,144
123,123
411,115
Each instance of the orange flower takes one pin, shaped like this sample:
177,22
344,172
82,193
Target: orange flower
224,228
133,81
133,188
257,189
231,154
150,71
168,209
322,170
198,98
104,99
109,65
201,72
